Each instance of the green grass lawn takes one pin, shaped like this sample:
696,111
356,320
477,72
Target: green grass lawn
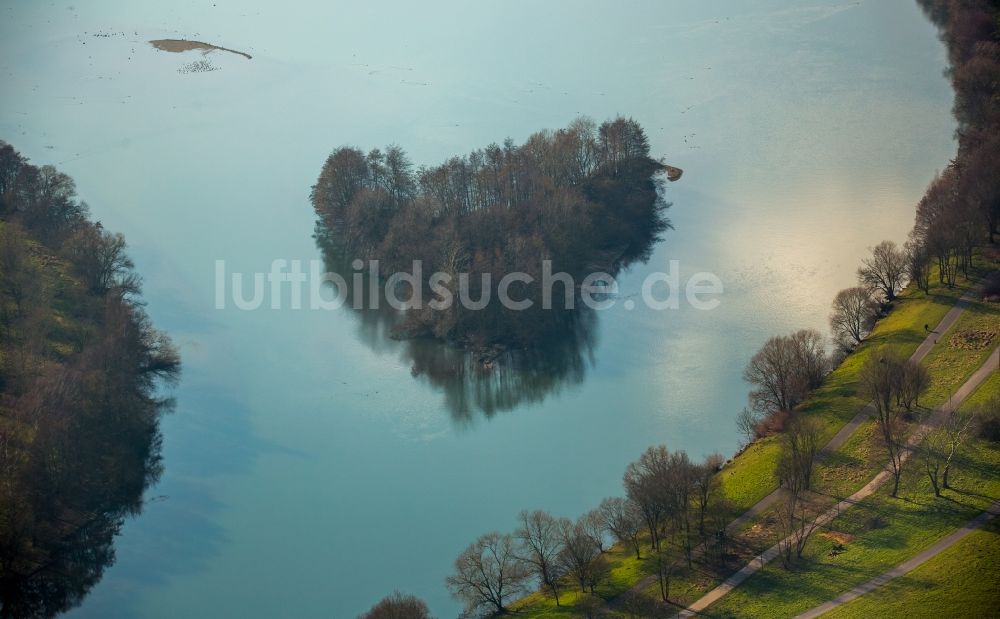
962,581
986,391
625,571
878,533
860,458
851,466
750,477
961,351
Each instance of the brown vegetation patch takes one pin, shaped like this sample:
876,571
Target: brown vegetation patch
673,173
772,423
761,534
972,339
854,473
838,536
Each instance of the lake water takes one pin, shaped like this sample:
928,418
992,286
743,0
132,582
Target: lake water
308,471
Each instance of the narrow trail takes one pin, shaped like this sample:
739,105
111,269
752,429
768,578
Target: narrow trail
907,566
849,428
757,563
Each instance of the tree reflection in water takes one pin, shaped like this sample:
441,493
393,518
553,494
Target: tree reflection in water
473,384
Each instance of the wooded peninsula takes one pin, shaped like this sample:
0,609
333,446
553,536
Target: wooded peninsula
80,368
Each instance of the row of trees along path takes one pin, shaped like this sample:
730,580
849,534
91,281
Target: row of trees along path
841,437
867,410
758,562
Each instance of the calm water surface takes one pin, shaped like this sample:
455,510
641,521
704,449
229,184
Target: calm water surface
309,471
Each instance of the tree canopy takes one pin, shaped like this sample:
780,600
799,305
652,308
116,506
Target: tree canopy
80,365
585,197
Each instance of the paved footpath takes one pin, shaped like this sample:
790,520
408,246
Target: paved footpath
907,566
757,563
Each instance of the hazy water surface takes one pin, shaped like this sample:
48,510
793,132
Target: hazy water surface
308,471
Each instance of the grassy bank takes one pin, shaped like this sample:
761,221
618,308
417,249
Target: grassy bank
959,582
749,476
874,536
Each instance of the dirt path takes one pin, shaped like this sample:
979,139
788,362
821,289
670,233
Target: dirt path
841,437
906,566
758,562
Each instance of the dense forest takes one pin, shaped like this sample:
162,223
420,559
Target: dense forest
80,367
962,205
586,197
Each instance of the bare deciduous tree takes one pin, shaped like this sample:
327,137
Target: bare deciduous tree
579,556
746,423
593,525
796,524
941,446
624,519
881,380
799,444
541,544
681,482
914,381
885,270
665,566
645,485
99,257
398,606
785,369
488,574
853,316
706,483
918,263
